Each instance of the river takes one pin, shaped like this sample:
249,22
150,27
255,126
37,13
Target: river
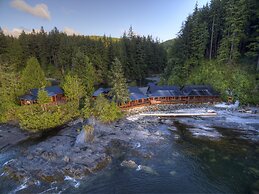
181,163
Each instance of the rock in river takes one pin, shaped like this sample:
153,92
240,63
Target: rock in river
148,170
129,164
173,173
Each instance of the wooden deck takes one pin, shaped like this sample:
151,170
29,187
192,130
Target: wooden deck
205,114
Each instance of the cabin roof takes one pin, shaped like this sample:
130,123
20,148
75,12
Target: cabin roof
101,91
136,93
52,91
28,97
163,91
199,90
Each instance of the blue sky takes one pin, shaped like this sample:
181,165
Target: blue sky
159,18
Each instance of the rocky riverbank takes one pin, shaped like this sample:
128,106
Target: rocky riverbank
61,156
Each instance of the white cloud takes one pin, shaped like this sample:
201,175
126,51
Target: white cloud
70,31
15,32
40,10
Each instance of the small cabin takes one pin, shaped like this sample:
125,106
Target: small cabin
200,94
164,94
55,93
137,98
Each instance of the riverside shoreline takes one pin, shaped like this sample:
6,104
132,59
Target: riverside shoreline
57,156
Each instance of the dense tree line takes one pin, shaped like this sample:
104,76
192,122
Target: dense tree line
59,53
80,65
218,45
43,114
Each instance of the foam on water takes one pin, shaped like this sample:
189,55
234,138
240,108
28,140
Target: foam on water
9,161
21,187
137,145
134,117
139,168
75,183
205,131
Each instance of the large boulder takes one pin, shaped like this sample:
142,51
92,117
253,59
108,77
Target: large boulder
129,164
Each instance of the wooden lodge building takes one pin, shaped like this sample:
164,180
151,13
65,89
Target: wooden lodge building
55,93
200,94
165,94
154,94
137,98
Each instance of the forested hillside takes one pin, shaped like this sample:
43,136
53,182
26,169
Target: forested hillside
218,44
57,52
80,63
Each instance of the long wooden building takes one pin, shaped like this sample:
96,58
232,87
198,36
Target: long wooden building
200,94
155,94
137,98
164,94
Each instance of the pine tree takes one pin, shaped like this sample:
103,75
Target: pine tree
73,88
3,44
87,110
43,97
43,48
235,22
252,32
32,75
119,89
84,69
54,46
14,54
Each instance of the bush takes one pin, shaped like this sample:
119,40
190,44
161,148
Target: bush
87,110
224,78
34,118
106,111
89,133
8,113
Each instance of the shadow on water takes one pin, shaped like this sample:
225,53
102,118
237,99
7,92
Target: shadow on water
230,160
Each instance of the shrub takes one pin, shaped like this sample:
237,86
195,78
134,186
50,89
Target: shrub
34,118
106,111
87,110
224,78
89,133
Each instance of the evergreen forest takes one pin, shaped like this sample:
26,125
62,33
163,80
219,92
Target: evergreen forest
218,45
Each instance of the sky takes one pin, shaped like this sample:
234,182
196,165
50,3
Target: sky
160,18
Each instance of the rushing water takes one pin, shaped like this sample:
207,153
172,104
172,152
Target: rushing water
181,163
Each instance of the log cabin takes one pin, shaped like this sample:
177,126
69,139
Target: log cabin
55,93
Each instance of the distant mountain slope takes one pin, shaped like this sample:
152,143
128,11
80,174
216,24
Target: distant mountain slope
167,44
